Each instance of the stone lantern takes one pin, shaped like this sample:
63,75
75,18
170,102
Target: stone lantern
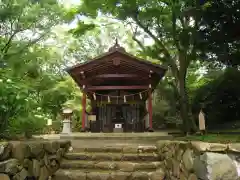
67,113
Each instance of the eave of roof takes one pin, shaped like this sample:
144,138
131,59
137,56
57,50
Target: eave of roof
140,60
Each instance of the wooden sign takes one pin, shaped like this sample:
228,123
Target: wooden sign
201,119
92,117
49,122
118,125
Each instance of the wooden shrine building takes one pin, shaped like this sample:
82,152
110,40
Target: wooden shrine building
119,87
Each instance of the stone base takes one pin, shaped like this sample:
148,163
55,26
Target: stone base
149,129
117,130
66,127
83,130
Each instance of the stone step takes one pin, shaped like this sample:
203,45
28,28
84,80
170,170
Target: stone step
112,156
148,136
107,175
118,149
125,166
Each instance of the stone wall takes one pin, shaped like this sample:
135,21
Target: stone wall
31,160
199,160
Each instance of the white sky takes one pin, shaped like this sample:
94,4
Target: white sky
72,3
69,3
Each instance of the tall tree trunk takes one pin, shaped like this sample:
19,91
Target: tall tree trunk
183,103
188,122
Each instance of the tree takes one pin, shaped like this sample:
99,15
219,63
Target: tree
219,32
23,84
220,98
23,23
172,25
23,60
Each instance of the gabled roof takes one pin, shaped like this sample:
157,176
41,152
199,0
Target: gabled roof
116,49
117,61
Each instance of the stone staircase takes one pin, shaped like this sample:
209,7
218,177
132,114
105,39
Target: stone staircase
111,163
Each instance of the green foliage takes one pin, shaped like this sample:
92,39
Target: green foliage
166,107
30,70
218,32
24,23
27,126
220,99
18,107
82,28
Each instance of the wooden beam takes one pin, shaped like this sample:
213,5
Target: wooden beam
117,76
83,111
113,76
150,108
93,88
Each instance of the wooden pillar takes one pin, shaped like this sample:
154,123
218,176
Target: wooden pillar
83,110
150,108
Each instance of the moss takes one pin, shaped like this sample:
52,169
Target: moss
213,138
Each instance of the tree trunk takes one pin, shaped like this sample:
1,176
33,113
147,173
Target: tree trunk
183,102
188,122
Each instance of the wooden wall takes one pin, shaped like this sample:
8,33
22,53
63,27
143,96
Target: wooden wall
132,115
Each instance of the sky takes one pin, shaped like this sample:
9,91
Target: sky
73,24
70,3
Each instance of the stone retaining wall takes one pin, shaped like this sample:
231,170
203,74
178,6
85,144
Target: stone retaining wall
31,160
199,160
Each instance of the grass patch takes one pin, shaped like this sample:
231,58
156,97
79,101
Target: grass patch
213,138
225,130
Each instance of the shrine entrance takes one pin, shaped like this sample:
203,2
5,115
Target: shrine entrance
121,118
119,86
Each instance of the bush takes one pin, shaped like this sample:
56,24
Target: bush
26,126
220,98
57,125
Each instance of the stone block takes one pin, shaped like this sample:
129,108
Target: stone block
121,175
20,151
51,147
192,177
234,147
69,175
36,149
11,166
106,165
214,166
141,166
176,168
188,158
36,168
4,176
23,174
158,175
5,150
44,173
129,149
139,176
126,166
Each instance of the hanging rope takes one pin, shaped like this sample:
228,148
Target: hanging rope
127,95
